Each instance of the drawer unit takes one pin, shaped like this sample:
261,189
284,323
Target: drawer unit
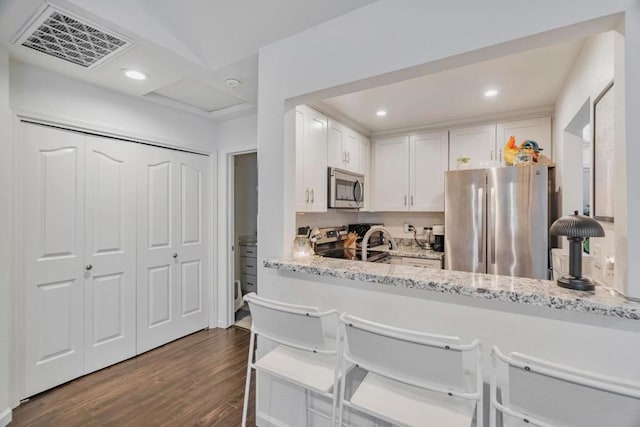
248,268
248,251
422,262
248,265
249,283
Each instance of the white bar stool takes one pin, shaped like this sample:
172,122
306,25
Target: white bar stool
412,378
530,391
306,355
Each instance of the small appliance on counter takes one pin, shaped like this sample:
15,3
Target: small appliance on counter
302,247
361,229
438,238
331,244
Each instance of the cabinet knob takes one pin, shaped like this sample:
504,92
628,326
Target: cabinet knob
175,255
88,267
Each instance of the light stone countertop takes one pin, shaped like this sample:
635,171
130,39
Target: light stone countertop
542,293
410,252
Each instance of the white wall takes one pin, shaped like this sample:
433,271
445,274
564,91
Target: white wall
591,73
593,70
37,93
48,95
233,136
6,227
386,42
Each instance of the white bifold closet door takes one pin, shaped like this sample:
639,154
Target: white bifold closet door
79,222
173,265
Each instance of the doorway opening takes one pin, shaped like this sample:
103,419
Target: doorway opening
245,233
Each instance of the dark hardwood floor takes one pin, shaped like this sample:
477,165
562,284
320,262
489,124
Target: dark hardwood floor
197,380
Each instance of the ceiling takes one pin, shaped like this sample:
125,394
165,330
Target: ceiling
527,80
188,48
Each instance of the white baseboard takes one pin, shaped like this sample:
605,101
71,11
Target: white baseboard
5,417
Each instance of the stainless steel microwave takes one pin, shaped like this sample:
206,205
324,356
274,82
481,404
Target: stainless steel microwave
346,189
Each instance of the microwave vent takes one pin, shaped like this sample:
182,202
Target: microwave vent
71,39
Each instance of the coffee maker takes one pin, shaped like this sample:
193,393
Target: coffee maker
438,238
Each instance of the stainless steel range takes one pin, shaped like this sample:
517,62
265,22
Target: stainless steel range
330,244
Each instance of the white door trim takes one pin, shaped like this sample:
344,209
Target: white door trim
226,258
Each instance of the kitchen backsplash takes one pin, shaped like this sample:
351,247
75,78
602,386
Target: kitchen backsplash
393,221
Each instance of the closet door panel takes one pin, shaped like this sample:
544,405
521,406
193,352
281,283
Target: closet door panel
53,194
193,247
110,290
157,256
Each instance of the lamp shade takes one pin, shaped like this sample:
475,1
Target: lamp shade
576,226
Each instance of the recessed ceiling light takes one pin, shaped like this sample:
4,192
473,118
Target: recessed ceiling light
490,93
135,74
381,113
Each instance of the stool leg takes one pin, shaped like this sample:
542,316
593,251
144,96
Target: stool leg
247,387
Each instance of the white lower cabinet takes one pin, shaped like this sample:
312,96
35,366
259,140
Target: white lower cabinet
84,232
422,262
417,262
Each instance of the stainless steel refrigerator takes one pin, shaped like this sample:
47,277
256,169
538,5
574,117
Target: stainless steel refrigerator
496,221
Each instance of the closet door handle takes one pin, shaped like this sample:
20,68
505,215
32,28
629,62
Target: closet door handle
175,255
88,267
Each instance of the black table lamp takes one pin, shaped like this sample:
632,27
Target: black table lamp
576,228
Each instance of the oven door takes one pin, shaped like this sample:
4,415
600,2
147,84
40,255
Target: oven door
346,189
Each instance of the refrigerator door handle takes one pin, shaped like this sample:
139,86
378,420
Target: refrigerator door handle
480,225
492,224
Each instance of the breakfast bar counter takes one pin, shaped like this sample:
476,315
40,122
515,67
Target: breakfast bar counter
542,293
596,331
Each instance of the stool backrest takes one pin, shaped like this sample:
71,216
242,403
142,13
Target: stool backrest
549,394
298,326
434,362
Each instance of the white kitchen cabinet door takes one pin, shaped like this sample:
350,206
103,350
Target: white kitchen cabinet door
538,130
110,242
353,151
428,161
477,143
302,191
54,249
173,272
365,143
157,247
193,276
336,145
311,160
390,174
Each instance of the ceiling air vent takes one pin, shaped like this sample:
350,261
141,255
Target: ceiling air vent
59,34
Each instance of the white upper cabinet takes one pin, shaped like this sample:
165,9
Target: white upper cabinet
311,160
409,172
538,130
336,145
428,154
345,149
478,143
390,174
